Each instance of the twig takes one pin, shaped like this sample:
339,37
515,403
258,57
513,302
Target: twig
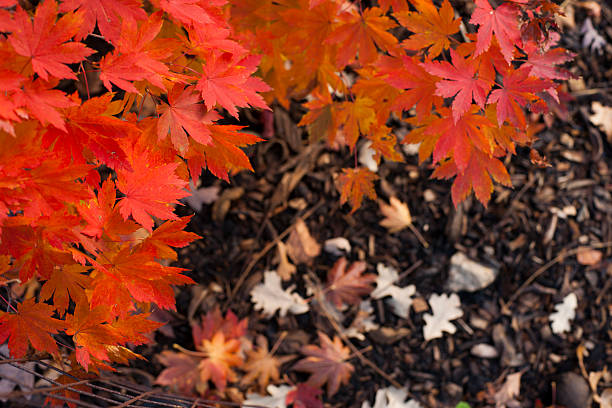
257,257
354,349
547,265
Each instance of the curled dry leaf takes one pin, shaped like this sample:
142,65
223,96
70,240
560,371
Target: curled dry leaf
397,217
326,364
337,246
588,256
276,399
507,393
602,117
348,286
285,268
301,246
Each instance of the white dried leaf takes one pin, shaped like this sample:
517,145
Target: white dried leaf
592,39
484,350
276,399
392,397
201,196
270,296
366,157
363,322
387,276
401,298
606,398
444,308
565,311
337,246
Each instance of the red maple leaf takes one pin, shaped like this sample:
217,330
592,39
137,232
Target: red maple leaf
150,190
503,21
184,115
476,176
31,324
226,82
519,88
459,81
326,364
419,86
169,234
304,396
46,41
543,64
458,139
348,286
107,15
41,101
88,126
137,56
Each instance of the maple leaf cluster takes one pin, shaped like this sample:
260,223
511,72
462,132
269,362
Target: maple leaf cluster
88,183
464,94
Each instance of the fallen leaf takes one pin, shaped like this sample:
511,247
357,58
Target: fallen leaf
270,296
305,396
444,308
326,364
565,311
401,298
277,397
606,398
363,322
392,397
397,215
301,246
348,286
588,256
285,269
592,39
602,117
11,376
261,364
510,389
366,156
201,196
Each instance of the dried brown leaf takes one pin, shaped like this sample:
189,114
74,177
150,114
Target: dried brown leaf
301,246
588,256
397,215
261,364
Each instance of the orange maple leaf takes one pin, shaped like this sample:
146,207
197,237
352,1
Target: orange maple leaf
431,27
360,34
326,364
262,365
67,282
32,324
354,184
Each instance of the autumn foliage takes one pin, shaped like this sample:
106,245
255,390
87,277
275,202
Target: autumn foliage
89,181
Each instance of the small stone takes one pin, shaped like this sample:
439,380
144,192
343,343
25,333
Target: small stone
573,391
337,246
484,350
468,275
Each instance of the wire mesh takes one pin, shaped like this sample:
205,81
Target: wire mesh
109,390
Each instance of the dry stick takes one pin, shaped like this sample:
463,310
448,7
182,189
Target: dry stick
547,265
256,258
354,349
135,399
16,394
